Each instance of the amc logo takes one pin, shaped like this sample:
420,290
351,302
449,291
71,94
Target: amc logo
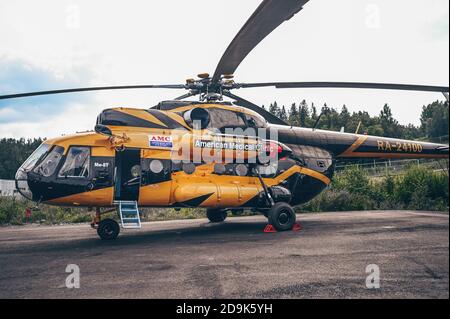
159,138
160,141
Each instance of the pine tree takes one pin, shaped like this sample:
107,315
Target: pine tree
274,109
294,115
303,113
388,123
283,114
344,117
313,112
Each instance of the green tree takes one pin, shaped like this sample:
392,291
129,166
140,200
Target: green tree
13,153
390,125
435,119
314,114
344,117
303,114
274,109
294,115
283,114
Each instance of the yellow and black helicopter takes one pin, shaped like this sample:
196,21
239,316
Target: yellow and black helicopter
208,153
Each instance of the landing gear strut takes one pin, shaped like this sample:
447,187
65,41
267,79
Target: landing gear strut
281,215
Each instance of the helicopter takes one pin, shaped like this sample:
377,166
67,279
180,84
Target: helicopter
208,153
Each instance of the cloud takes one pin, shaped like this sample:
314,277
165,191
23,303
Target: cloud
73,118
17,76
327,41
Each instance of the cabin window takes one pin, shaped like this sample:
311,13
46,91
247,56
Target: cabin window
77,162
48,166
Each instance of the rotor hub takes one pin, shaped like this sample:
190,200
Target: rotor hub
210,89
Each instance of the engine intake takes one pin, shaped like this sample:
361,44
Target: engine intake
197,118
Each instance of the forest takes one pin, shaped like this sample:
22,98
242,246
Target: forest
433,127
433,121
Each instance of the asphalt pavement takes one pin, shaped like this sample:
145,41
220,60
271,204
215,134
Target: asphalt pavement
328,258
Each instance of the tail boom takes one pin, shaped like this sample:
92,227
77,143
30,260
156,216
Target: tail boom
366,146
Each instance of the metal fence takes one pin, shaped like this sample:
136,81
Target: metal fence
8,188
396,167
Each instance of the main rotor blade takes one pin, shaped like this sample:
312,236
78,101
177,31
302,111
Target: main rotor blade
357,85
99,88
249,105
185,96
267,17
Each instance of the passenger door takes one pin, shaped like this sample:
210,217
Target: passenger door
127,175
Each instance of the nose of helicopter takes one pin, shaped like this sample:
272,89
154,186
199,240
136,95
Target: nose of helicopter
22,187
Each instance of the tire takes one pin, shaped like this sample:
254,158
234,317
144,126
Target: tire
282,216
108,229
216,215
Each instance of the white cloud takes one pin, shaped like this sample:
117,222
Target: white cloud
74,119
8,113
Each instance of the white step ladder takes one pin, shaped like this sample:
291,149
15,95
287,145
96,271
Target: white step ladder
129,214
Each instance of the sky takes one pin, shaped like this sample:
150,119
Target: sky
54,44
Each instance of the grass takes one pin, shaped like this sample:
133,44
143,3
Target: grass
418,189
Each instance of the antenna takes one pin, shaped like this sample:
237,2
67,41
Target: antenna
357,129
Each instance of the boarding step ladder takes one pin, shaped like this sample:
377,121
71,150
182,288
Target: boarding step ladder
129,214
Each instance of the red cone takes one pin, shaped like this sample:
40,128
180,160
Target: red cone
297,227
270,229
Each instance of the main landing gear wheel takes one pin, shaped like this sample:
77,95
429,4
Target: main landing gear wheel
216,215
282,216
108,229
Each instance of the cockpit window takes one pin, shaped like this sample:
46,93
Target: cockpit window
222,119
77,162
35,157
48,166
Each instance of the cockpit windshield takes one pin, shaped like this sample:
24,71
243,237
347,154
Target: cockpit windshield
34,158
48,166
